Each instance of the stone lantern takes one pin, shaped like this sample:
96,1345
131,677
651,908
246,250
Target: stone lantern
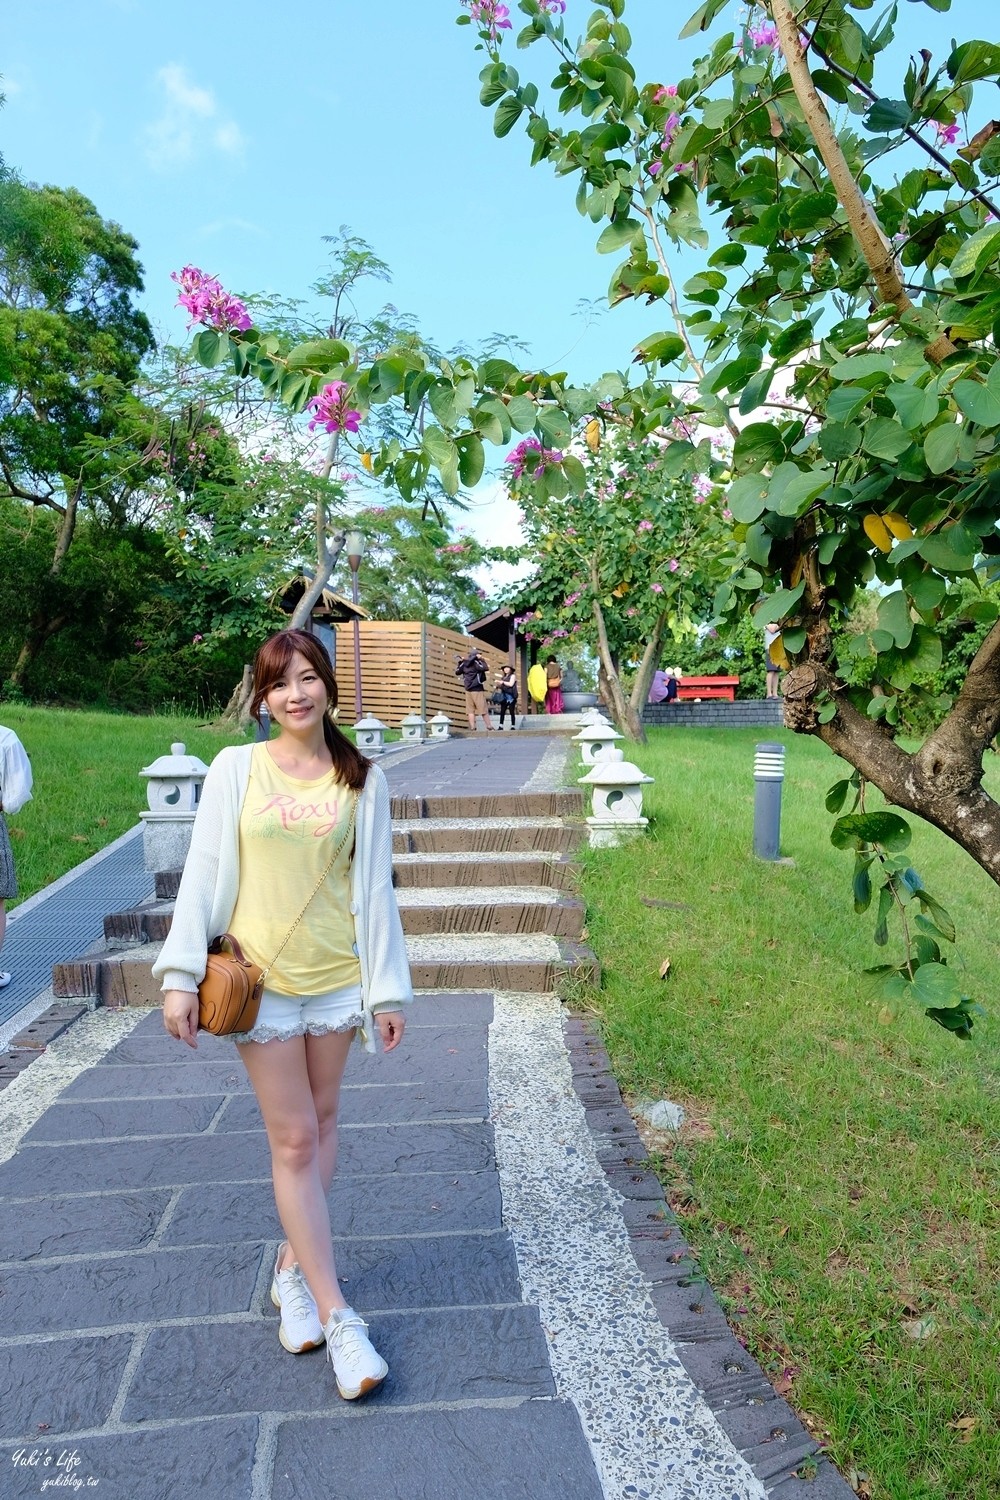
593,735
370,735
617,801
173,790
439,727
413,727
591,716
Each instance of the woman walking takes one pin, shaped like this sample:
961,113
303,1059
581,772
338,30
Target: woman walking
507,689
553,687
298,824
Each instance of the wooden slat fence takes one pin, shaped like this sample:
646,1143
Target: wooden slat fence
407,666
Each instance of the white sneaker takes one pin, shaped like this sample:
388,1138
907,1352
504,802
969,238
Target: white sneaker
357,1365
300,1328
5,979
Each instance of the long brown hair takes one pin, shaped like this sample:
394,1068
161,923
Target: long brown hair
271,664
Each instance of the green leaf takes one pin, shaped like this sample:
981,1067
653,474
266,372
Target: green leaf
211,347
438,446
862,887
758,444
914,407
661,347
620,233
935,984
792,340
938,551
703,17
976,252
845,402
954,1018
862,366
779,604
894,617
497,372
747,497
839,440
980,403
321,355
926,591
471,459
889,115
973,60
757,544
756,389
884,438
837,795
944,923
792,490
441,397
941,447
522,412
884,828
555,425
575,473
881,933
508,113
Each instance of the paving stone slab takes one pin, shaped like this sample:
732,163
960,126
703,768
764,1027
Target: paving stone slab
98,1293
452,1009
134,1081
210,1459
77,1226
448,1354
535,1451
460,1270
109,1118
59,1386
419,1202
372,1104
108,1166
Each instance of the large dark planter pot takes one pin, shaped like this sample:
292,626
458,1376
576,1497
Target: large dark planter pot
574,702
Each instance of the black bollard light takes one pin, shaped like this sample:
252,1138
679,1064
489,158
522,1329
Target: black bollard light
768,774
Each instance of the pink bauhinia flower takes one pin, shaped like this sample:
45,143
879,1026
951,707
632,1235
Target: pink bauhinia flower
208,302
492,16
673,565
331,411
552,7
947,134
665,91
764,35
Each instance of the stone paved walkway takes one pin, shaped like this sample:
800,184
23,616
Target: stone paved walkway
488,1220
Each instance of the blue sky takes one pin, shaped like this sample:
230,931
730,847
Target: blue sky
235,136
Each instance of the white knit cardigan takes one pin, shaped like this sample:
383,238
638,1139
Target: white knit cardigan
210,883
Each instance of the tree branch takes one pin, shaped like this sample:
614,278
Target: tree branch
867,231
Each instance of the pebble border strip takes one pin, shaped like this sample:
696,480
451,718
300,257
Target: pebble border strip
762,1425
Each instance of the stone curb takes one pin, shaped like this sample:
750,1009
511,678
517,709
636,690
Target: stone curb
32,1041
759,1422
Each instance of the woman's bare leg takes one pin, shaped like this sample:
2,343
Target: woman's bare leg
301,1132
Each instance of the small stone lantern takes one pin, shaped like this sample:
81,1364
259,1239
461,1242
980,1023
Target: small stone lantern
370,735
617,801
413,727
591,716
439,727
593,735
173,790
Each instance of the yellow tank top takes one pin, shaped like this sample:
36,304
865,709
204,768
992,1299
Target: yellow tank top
286,829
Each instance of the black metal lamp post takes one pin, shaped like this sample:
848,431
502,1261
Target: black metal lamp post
355,544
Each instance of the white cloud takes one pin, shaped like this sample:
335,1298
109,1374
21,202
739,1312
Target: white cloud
189,121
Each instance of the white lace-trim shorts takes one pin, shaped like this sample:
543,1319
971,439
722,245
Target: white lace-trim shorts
283,1016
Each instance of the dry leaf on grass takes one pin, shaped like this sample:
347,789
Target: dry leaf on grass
665,969
919,1328
78,838
965,1427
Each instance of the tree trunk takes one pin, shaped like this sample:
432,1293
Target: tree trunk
42,626
625,717
644,676
237,710
942,781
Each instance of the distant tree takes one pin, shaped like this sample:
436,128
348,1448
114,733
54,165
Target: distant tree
73,434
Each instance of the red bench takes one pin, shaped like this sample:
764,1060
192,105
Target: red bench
708,687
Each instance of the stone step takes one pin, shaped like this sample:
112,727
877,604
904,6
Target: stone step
490,910
548,868
564,804
486,836
532,962
438,907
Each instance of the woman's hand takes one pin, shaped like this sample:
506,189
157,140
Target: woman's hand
180,1015
391,1025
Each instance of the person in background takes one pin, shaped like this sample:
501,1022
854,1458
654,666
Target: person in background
770,665
473,670
15,791
553,692
671,684
507,688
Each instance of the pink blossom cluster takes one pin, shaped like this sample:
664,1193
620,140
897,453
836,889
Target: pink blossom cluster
657,588
330,409
455,547
491,15
571,599
665,91
552,7
764,34
529,457
702,487
208,302
673,565
947,135
644,526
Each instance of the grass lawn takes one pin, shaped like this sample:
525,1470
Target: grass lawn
839,1175
87,787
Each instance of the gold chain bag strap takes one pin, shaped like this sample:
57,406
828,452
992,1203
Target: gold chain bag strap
229,995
